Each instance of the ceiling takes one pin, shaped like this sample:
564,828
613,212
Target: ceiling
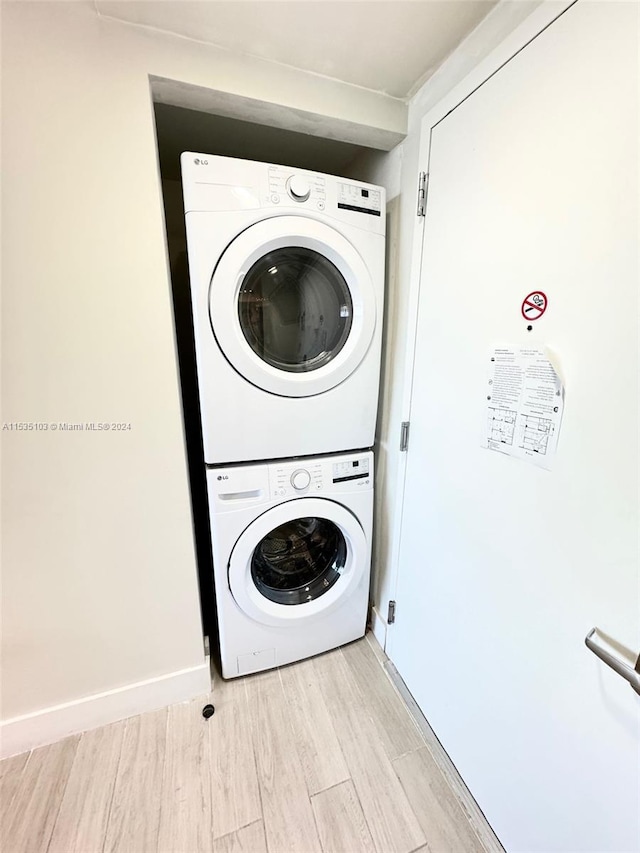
389,46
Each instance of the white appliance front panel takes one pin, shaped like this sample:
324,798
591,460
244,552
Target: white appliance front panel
213,183
268,612
243,422
269,236
243,497
242,486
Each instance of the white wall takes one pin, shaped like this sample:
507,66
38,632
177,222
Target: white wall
385,169
99,576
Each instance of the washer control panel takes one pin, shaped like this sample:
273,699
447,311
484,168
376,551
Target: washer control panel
296,478
350,469
320,475
300,479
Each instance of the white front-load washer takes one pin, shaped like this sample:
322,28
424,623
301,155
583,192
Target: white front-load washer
291,556
286,274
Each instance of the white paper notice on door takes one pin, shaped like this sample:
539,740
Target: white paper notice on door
525,399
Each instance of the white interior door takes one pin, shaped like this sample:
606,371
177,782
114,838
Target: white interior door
505,567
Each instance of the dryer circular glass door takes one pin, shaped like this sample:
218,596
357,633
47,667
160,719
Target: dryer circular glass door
292,306
298,561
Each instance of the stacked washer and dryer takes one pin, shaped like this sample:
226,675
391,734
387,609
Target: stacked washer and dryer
286,271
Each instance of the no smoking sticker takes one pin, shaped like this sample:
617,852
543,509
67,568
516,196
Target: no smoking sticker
534,305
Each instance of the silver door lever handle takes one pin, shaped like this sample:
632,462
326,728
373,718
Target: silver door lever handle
617,657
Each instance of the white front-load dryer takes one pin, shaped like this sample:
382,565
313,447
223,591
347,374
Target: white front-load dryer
287,285
291,555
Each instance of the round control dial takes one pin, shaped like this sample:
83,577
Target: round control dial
300,479
298,188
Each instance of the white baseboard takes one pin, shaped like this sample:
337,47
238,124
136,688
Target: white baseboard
379,627
21,734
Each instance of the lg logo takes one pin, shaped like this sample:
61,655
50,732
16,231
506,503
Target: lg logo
200,162
223,476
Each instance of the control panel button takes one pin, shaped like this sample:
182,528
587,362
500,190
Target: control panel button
298,188
300,479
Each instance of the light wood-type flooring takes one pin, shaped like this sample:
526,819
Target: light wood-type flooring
318,757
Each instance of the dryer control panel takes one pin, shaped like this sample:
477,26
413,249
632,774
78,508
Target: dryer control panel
308,192
214,184
360,198
287,185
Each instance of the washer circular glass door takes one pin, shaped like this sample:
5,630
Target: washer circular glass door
298,560
292,306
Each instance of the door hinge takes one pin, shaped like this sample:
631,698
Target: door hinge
423,184
404,436
391,613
